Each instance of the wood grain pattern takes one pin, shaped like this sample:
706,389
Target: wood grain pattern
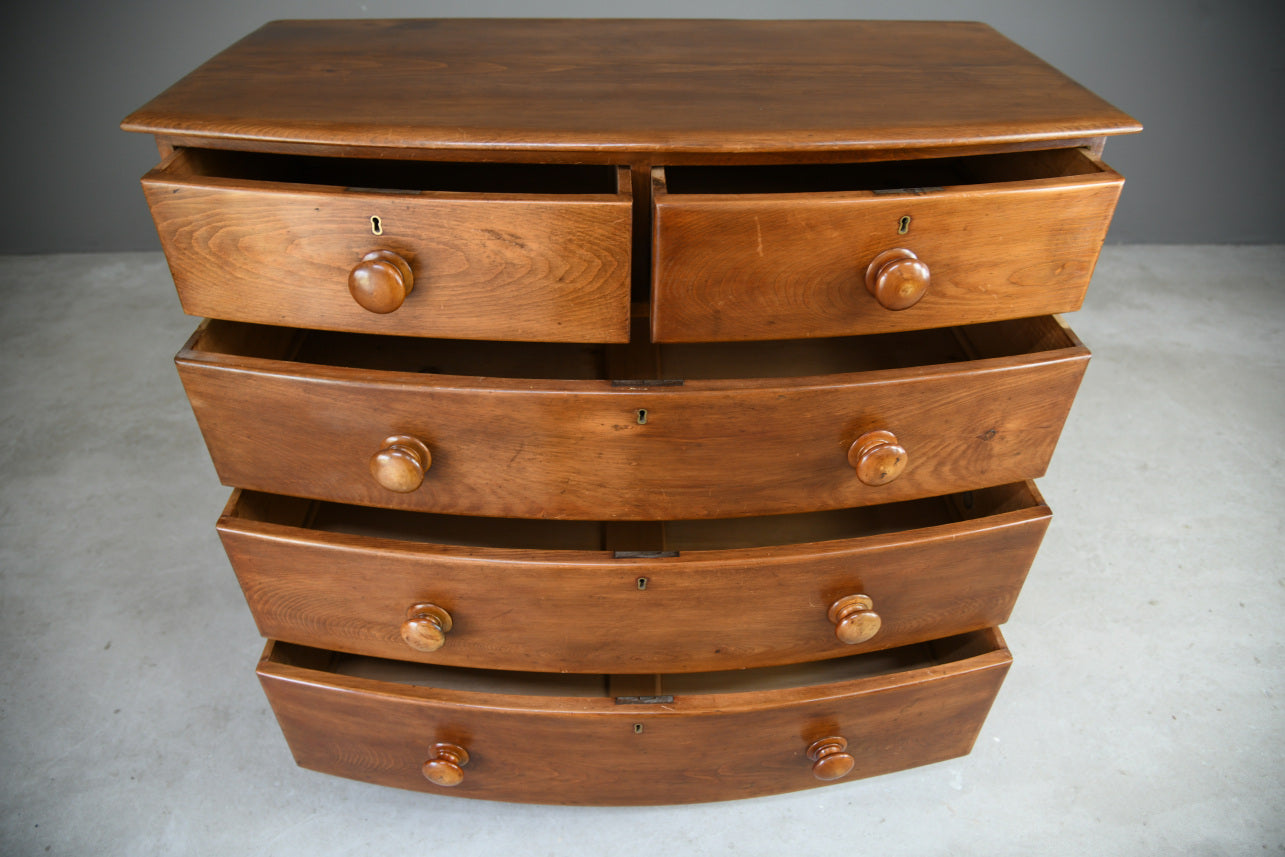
621,86
581,610
486,265
590,750
767,266
531,448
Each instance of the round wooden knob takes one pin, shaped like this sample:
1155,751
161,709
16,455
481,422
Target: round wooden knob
381,281
854,618
877,457
897,278
444,764
401,463
829,762
425,627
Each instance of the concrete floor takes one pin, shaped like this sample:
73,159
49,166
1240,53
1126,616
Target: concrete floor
1142,714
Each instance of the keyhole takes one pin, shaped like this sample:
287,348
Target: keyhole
903,225
642,416
637,728
642,584
375,226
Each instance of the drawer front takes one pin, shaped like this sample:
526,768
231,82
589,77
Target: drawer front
768,266
594,750
601,611
590,450
535,266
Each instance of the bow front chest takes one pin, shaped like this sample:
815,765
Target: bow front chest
628,412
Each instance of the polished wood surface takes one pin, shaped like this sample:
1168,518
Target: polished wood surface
708,743
484,265
554,448
548,595
626,86
761,265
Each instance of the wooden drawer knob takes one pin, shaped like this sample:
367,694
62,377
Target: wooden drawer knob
425,627
444,764
897,278
401,464
381,281
854,618
829,761
877,457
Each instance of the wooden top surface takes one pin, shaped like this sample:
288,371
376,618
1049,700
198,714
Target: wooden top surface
682,86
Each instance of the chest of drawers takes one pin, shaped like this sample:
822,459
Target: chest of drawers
630,411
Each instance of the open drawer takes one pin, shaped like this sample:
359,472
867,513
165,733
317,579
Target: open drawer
774,252
611,740
468,251
677,596
600,433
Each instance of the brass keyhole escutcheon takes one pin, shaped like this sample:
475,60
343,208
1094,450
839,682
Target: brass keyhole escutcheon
903,225
376,226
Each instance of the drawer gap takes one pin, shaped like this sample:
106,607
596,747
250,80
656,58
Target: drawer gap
643,688
922,176
647,685
651,537
400,176
637,362
634,537
640,361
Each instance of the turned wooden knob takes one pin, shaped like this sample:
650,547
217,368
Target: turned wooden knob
877,457
854,618
381,281
401,463
425,627
829,762
444,764
897,278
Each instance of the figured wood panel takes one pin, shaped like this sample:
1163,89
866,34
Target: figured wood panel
627,86
485,266
576,449
767,266
583,611
592,751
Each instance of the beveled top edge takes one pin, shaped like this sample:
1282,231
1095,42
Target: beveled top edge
628,86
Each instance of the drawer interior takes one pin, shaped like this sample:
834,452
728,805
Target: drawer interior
642,689
638,360
881,176
648,537
395,175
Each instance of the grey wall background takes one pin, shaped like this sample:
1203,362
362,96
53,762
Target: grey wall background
1206,78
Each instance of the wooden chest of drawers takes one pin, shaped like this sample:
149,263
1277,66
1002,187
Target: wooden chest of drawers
630,411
